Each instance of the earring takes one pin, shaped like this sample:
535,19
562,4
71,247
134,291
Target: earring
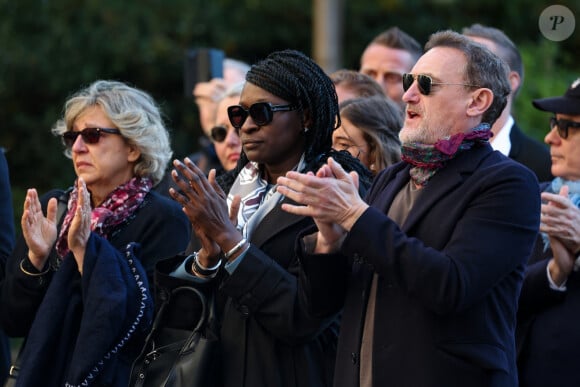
306,129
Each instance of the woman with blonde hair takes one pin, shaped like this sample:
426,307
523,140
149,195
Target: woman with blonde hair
76,284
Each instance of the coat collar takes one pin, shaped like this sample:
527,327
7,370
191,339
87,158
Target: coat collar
442,183
274,222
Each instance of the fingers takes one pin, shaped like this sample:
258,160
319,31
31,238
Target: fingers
299,210
216,187
177,196
556,199
355,179
302,188
193,175
564,191
235,208
180,181
51,210
324,171
83,210
337,170
32,203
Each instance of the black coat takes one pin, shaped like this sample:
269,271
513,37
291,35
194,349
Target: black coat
159,227
6,246
548,326
531,153
268,337
448,278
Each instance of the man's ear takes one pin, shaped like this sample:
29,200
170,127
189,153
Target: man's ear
480,101
515,81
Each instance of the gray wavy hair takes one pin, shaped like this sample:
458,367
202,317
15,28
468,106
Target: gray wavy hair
134,113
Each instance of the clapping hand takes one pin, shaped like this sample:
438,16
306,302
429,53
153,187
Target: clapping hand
39,231
330,197
80,227
204,203
561,219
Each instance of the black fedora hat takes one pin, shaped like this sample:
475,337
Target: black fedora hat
568,104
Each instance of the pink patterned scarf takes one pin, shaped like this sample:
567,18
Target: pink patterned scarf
427,159
117,208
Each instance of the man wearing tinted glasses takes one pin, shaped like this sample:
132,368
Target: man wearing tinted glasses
429,266
550,300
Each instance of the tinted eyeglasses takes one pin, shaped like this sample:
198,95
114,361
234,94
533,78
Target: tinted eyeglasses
425,82
89,135
262,113
218,133
562,126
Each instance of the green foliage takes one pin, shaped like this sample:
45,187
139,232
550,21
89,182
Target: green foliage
543,78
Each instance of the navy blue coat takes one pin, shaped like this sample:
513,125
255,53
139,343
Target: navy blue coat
103,315
548,326
6,214
448,279
530,152
6,245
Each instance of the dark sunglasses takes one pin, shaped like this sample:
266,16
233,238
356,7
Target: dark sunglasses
218,133
89,135
262,113
425,82
562,126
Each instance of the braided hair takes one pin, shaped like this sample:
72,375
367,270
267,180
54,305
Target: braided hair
296,78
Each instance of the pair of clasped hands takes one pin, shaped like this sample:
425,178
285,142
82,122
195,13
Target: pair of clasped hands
329,195
560,220
40,232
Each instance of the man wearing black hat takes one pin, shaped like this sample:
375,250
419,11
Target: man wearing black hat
549,307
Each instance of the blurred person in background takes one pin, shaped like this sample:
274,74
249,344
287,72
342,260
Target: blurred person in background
508,137
369,131
549,308
207,96
77,282
352,84
387,57
224,136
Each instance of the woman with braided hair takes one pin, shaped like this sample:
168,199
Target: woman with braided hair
288,110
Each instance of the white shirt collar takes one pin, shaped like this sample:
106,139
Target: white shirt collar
501,141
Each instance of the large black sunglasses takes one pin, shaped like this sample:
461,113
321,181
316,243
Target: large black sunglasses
425,82
89,135
262,113
562,126
218,133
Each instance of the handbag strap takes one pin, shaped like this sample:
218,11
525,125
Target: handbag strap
161,314
202,320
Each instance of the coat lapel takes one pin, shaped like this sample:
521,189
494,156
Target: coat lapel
274,222
445,181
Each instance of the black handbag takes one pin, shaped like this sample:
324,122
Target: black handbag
174,355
